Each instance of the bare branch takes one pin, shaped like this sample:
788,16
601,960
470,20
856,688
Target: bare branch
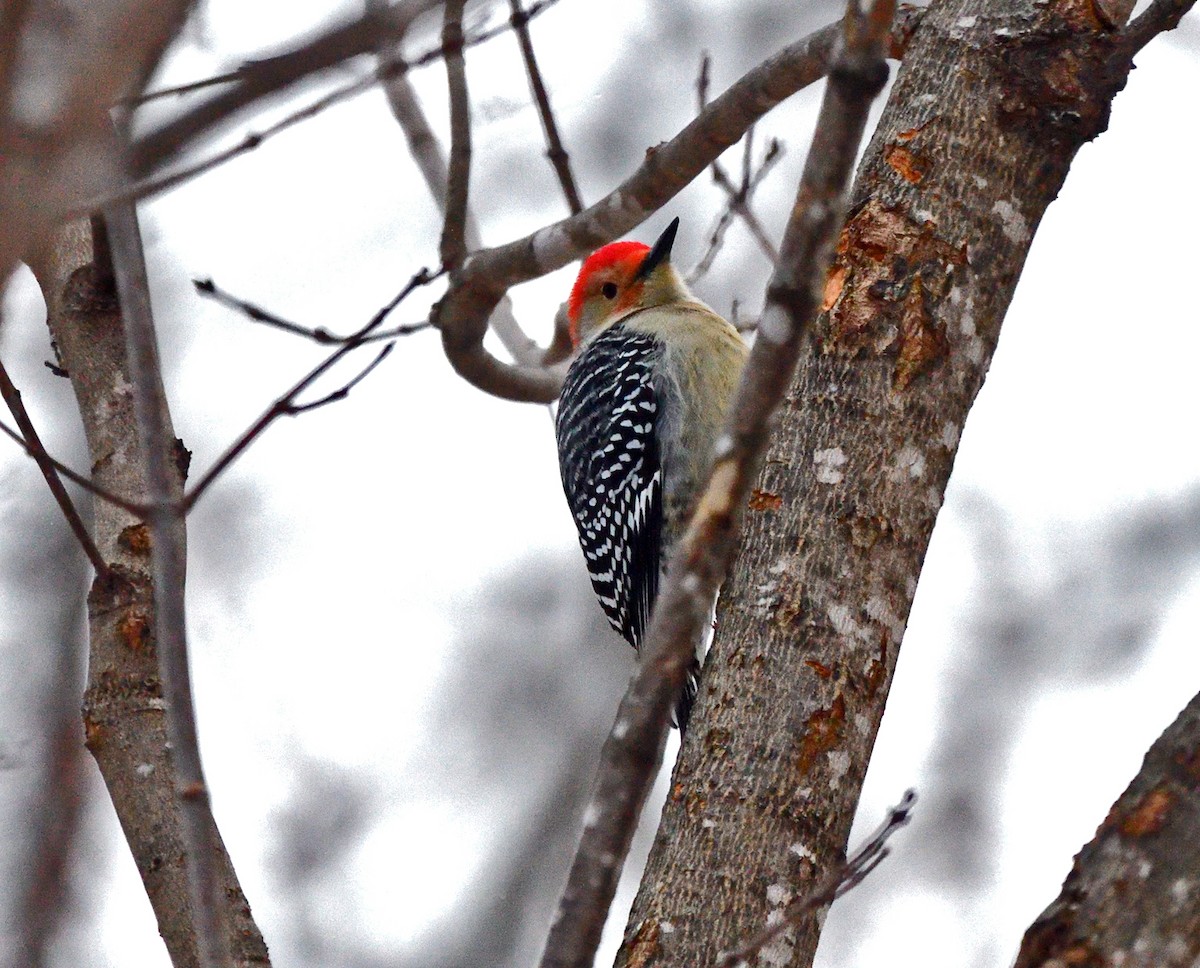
285,405
738,197
181,89
124,710
454,242
343,391
475,289
33,446
263,78
840,880
1150,838
319,334
1159,17
133,507
739,204
210,916
554,147
633,751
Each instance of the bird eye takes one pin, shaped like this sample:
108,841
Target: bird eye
609,290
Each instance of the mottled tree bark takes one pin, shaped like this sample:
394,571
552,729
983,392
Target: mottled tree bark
990,105
124,717
1130,899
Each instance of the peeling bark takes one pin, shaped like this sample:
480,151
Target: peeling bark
990,105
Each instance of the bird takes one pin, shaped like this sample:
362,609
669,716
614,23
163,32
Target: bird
642,406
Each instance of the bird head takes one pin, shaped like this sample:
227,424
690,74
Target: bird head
622,277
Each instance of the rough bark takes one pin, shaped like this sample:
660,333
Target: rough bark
1130,899
990,105
632,753
124,715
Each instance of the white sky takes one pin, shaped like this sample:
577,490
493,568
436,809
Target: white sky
378,516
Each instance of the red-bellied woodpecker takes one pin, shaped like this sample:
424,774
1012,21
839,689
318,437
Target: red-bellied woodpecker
641,409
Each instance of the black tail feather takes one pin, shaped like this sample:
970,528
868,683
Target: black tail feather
683,705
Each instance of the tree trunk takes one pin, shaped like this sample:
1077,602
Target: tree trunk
1131,897
989,107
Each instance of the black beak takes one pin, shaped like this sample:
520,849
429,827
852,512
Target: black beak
661,251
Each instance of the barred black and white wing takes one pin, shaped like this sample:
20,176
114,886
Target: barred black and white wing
611,472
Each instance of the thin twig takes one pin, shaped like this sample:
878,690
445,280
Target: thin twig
843,878
157,184
189,88
633,751
285,405
454,241
319,334
738,196
343,391
210,916
738,204
35,448
133,507
554,147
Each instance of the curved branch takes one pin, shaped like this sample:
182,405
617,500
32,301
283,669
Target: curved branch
463,312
